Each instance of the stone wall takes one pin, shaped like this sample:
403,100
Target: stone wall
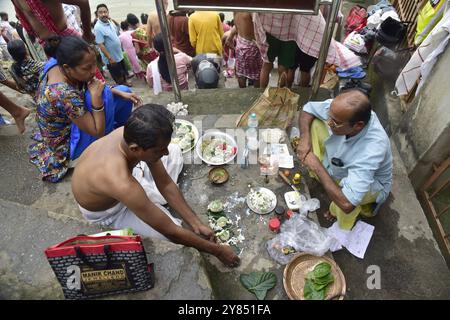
423,135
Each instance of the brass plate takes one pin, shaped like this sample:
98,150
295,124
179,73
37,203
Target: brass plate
296,270
215,175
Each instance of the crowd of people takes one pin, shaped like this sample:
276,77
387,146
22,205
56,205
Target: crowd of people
61,58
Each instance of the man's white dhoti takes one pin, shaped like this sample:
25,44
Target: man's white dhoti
119,216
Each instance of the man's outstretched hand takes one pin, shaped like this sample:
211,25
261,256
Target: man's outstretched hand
303,149
228,257
311,161
205,232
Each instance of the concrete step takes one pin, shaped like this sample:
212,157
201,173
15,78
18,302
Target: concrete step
220,101
402,246
402,251
25,232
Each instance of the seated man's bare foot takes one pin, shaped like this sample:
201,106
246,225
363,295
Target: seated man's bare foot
329,217
20,119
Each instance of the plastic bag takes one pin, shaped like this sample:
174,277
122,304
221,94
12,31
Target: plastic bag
355,42
309,205
301,234
389,63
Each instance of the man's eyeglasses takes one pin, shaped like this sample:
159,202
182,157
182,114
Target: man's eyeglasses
332,123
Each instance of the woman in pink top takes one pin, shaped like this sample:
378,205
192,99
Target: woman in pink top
158,76
127,44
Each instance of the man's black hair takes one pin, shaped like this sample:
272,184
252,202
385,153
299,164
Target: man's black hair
17,50
4,16
132,19
149,125
144,18
124,25
102,5
222,16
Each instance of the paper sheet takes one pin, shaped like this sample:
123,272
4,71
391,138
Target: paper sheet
356,241
359,239
285,160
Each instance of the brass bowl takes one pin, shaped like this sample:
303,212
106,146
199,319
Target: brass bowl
218,175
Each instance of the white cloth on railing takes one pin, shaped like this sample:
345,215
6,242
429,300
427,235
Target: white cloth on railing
424,58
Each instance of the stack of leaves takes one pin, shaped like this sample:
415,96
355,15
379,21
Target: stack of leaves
219,222
259,283
317,281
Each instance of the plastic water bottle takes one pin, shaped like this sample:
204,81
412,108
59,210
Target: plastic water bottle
252,132
252,121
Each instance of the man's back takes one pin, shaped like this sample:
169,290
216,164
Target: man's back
99,171
205,32
179,31
244,25
56,11
153,27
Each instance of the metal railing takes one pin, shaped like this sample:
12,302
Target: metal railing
324,47
433,189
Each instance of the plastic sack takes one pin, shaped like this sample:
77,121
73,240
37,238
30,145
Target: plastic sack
391,32
355,42
309,205
301,234
389,63
374,20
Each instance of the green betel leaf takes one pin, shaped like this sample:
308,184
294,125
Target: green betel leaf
310,275
310,294
322,269
261,294
259,283
327,279
308,289
321,286
318,295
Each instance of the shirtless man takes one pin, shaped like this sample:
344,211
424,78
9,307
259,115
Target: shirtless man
153,27
55,8
125,178
248,57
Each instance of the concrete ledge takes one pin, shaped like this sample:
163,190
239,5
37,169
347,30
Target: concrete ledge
220,101
25,273
410,263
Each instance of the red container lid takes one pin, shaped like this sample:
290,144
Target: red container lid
289,214
274,224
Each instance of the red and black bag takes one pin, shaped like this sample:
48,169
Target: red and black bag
90,267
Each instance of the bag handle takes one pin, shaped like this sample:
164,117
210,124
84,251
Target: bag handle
106,250
96,240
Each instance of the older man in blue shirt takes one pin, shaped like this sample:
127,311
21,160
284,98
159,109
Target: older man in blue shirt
109,43
346,147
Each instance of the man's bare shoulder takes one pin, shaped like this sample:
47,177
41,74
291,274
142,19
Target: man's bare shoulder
103,163
153,18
